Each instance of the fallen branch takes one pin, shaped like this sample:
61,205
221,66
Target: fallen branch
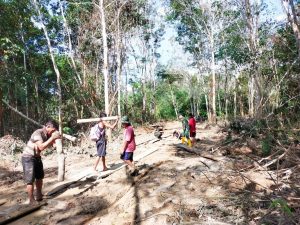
67,136
191,150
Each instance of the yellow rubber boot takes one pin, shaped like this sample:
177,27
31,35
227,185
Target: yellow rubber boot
189,142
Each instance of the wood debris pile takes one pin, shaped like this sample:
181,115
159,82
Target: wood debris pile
10,145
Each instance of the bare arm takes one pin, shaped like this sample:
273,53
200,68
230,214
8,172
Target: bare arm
109,125
43,145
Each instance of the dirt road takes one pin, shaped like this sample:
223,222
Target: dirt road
173,187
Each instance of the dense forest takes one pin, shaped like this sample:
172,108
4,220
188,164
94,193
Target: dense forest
72,59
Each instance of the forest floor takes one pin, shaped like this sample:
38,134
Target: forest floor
216,182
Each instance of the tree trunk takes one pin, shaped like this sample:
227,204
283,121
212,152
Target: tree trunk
234,98
67,29
290,11
254,75
173,101
58,79
207,108
251,96
105,63
1,114
213,118
60,160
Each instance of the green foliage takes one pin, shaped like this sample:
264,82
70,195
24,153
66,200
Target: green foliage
266,146
282,205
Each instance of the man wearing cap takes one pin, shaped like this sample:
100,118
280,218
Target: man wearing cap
31,158
128,145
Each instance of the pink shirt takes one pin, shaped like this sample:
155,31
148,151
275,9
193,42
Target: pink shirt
129,137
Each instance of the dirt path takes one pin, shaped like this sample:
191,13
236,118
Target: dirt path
173,187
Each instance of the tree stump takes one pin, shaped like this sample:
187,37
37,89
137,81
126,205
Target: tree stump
60,160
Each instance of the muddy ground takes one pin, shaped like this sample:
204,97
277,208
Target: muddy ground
209,184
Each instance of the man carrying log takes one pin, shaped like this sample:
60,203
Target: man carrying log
31,158
98,135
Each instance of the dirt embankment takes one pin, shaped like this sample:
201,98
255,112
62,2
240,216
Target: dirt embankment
213,183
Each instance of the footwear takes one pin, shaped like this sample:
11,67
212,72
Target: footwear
134,173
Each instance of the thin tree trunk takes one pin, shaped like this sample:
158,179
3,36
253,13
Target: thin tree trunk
105,63
1,114
207,108
213,118
251,96
290,11
25,71
234,98
67,29
58,77
173,101
58,80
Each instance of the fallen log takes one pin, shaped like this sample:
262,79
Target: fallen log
97,119
67,136
194,151
21,212
3,201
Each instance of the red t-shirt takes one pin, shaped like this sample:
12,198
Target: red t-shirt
192,124
129,137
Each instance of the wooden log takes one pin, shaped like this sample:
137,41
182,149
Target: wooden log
194,151
21,212
97,119
60,160
3,201
67,136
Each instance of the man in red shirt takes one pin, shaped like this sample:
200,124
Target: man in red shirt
129,145
192,125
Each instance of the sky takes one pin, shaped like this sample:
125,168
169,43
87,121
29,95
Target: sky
173,54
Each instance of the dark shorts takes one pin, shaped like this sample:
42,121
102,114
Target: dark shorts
192,134
101,148
127,156
32,168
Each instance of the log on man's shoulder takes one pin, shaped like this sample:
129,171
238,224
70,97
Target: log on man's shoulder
96,119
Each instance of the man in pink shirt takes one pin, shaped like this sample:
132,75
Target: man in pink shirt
129,145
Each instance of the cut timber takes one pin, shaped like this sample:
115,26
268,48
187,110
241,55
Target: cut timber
105,174
24,210
194,151
69,137
97,119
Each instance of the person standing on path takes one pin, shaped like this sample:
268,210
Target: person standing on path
185,135
31,158
128,146
192,127
98,135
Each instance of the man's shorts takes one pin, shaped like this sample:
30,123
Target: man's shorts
192,134
33,168
127,156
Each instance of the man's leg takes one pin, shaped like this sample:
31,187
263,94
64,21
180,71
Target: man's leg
39,176
30,189
130,163
96,163
39,186
28,168
103,163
